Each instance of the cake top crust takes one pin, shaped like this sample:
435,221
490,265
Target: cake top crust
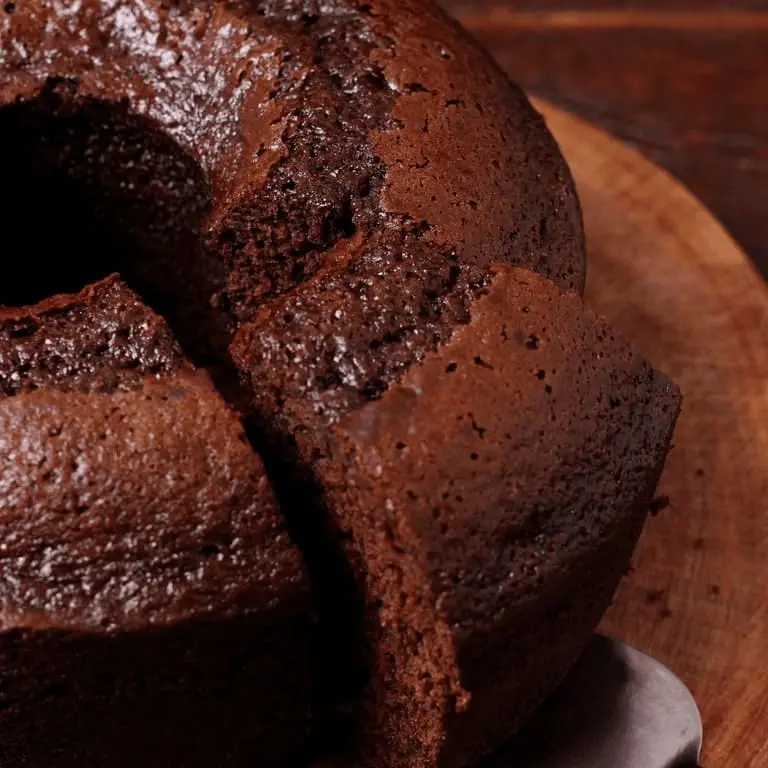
135,508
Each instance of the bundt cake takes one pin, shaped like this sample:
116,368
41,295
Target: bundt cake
308,442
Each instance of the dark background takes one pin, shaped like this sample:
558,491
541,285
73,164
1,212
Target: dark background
684,81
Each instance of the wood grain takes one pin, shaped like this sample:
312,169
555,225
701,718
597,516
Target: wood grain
461,6
669,277
685,81
494,17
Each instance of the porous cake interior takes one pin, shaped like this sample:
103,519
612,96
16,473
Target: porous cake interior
99,340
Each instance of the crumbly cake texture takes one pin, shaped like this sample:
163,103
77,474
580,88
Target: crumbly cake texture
347,214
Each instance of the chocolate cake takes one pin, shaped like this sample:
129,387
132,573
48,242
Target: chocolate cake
486,514
148,583
350,237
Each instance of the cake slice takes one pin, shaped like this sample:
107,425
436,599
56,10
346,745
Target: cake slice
486,504
152,607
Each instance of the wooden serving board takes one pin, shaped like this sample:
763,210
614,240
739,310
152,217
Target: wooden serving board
669,277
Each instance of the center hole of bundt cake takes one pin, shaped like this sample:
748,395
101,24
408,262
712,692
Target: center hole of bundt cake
87,189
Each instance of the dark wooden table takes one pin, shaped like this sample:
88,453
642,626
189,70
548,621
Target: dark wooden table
684,81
